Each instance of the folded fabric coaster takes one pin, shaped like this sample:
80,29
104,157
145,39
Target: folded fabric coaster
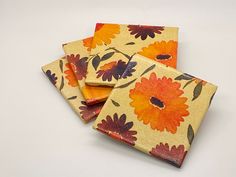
113,46
77,54
62,77
157,109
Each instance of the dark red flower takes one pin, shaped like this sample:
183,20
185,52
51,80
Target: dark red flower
78,65
90,111
145,31
118,129
174,155
51,76
113,69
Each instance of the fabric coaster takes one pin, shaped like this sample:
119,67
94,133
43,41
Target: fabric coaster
156,109
62,77
113,46
77,54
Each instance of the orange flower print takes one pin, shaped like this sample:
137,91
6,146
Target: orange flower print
163,52
87,43
158,102
174,155
70,76
104,33
113,69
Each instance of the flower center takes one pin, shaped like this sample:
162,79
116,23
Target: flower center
163,57
157,102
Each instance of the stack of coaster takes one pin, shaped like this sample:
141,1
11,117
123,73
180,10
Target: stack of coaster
125,76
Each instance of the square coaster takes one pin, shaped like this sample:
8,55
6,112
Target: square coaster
62,77
156,109
77,54
114,45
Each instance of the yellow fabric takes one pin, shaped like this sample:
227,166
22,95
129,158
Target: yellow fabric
92,94
164,110
62,77
124,41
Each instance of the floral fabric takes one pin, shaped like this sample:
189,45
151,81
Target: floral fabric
60,74
77,53
114,45
160,109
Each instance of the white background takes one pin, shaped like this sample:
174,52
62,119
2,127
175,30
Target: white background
40,136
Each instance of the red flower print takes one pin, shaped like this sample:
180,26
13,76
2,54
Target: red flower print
51,76
174,155
118,128
145,31
90,111
78,65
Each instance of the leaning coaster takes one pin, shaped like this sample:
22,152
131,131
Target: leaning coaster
113,46
62,77
156,109
77,54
